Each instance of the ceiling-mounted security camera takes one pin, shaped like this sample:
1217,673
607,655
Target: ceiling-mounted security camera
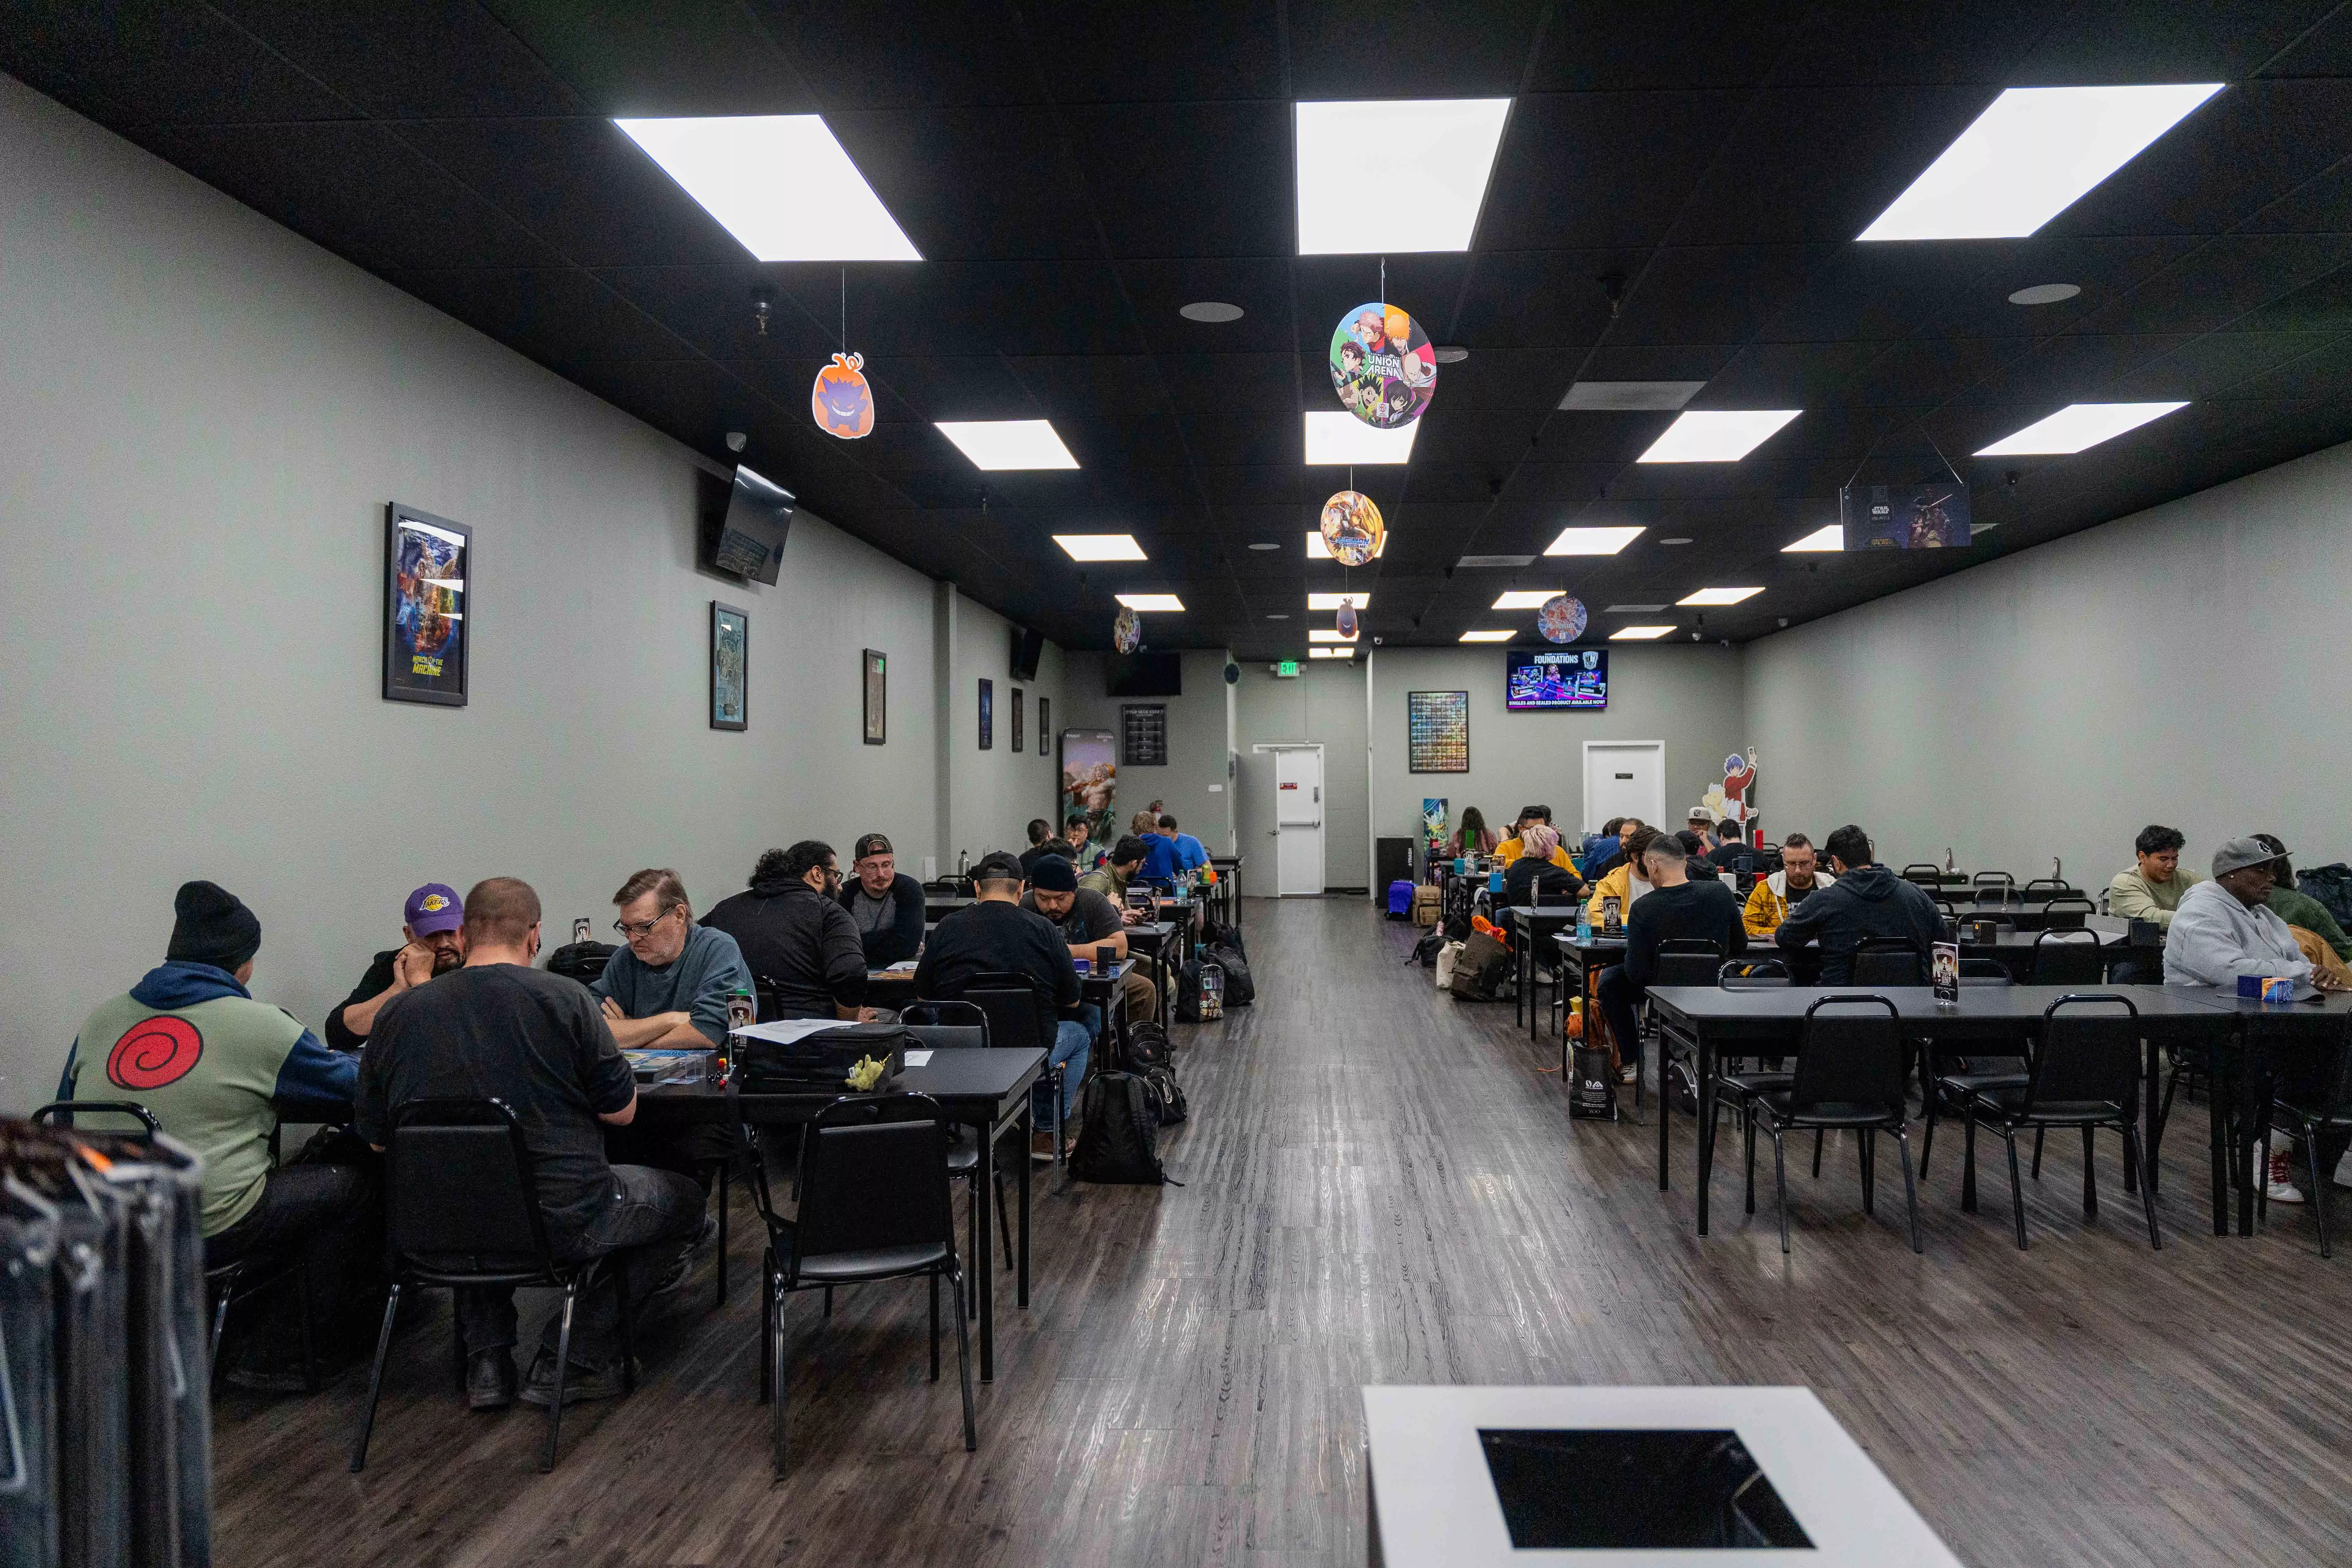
737,440
763,302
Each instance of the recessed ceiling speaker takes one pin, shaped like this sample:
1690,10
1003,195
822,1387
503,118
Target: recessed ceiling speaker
1213,311
1232,673
2045,293
1451,353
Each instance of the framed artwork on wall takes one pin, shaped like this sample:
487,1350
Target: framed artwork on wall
1044,726
877,698
730,666
1019,739
428,566
1437,732
987,714
1143,735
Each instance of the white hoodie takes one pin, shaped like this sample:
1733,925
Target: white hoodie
2214,938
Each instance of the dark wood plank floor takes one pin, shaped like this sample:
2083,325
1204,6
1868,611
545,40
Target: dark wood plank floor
1382,1185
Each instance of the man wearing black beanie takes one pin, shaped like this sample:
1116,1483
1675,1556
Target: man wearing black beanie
213,1066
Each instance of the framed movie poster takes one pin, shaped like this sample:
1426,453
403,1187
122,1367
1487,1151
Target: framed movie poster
1437,732
987,714
877,698
1018,739
730,662
1044,726
427,561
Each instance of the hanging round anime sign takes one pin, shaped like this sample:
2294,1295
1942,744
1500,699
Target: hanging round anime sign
1352,528
1126,630
1562,619
841,402
1383,366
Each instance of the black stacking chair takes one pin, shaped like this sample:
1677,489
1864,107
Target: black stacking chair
1926,874
1852,1073
1888,961
874,1206
1978,1069
2001,884
2067,911
226,1285
1682,961
2055,884
2314,1092
2085,1074
462,1208
1017,1011
1732,1077
2068,958
955,1026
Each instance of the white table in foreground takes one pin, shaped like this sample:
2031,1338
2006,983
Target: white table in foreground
1435,1503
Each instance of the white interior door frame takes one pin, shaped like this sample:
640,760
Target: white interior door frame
1277,748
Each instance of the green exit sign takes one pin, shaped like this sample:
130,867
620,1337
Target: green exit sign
1289,666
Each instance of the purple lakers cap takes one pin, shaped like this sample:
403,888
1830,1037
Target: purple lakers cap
432,909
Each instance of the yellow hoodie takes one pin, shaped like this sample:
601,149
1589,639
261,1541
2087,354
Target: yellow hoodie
1767,901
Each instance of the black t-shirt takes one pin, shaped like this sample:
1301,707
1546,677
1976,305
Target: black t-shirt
1091,917
1728,857
1703,910
374,983
1036,852
532,1039
994,937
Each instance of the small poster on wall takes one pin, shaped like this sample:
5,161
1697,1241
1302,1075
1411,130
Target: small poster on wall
427,561
987,714
877,698
1018,740
1044,726
1437,732
730,658
1435,814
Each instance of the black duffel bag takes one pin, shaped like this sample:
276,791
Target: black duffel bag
1240,991
1119,1132
821,1060
580,961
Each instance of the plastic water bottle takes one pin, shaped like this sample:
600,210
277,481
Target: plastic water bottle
1583,923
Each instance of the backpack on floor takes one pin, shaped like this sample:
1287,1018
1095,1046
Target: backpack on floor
1147,1048
1188,993
1240,991
1449,958
1427,904
1479,973
1119,1132
1424,952
1215,935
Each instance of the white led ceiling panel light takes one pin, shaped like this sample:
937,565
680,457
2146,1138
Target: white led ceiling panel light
1325,634
1719,595
1330,653
1150,601
2076,427
1592,541
998,445
1526,598
1388,176
1639,634
1715,435
1319,550
1338,437
2031,156
1503,636
778,183
1331,601
1100,546
1829,536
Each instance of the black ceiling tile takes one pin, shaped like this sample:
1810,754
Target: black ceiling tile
2106,268
1264,385
1092,53
1144,179
164,64
1601,46
2219,363
968,184
1421,48
2243,148
1900,46
2322,375
352,187
1592,436
1331,288
1787,375
1529,302
1923,373
2120,42
406,58
948,52
1713,294
1160,288
1595,170
2323,304
681,57
712,308
550,313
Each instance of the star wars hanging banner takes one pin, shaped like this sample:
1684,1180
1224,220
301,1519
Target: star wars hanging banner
1383,366
841,402
1933,516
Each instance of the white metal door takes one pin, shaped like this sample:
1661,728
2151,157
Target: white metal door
1298,820
1624,778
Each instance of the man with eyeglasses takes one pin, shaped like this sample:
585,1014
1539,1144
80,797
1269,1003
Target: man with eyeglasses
795,936
667,989
886,905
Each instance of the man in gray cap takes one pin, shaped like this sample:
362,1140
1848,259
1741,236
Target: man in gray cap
2223,929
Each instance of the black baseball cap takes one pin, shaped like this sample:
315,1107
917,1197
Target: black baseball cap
871,844
999,867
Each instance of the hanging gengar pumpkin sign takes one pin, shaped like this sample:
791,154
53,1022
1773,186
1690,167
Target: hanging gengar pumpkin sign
841,402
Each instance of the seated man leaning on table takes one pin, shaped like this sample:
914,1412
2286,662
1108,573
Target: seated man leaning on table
801,944
431,945
1121,866
2224,929
1089,921
884,904
2152,888
1799,875
667,990
1867,902
994,936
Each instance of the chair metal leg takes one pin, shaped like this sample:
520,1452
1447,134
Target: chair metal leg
1748,1129
1780,1184
2037,1151
1817,1152
1928,1103
2133,1157
1910,1192
1969,1162
776,1380
1862,1150
2016,1187
935,1327
220,1322
963,1368
375,1380
562,1365
770,1309
2318,1185
2090,1176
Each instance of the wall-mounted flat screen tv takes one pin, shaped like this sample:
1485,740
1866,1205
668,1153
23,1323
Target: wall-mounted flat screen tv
1147,672
1539,680
748,541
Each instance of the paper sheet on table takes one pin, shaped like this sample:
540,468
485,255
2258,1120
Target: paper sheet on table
904,966
916,1059
784,1031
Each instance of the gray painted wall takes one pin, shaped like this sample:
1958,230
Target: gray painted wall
1193,783
1325,702
1690,698
998,791
203,419
2180,665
